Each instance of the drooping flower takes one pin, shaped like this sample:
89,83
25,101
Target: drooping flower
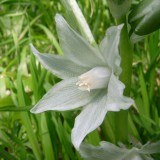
89,79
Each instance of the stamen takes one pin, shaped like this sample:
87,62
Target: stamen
96,78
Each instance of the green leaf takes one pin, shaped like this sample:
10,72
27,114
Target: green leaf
119,8
144,18
46,139
6,101
51,37
4,154
63,136
22,101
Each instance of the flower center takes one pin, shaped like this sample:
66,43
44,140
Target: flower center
95,78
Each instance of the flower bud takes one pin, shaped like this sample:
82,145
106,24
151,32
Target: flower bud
144,18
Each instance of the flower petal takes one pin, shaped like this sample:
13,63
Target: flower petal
59,66
106,149
63,96
75,47
89,119
115,98
111,151
109,48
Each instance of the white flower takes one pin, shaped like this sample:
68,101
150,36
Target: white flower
90,79
109,151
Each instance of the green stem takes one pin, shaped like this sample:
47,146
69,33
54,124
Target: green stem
121,118
107,130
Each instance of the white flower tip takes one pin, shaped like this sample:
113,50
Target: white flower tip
33,110
34,50
128,103
57,17
131,101
36,109
75,140
60,21
120,26
31,45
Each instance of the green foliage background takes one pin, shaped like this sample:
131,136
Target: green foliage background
23,81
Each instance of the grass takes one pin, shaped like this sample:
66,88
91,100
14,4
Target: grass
23,81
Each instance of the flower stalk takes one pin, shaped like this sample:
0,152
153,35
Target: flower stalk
126,53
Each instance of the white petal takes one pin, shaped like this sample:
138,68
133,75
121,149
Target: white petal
75,47
109,151
105,150
150,148
63,96
89,119
59,66
115,98
109,48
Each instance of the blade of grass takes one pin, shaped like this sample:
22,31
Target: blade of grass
146,106
26,120
51,37
68,154
38,78
5,155
46,140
